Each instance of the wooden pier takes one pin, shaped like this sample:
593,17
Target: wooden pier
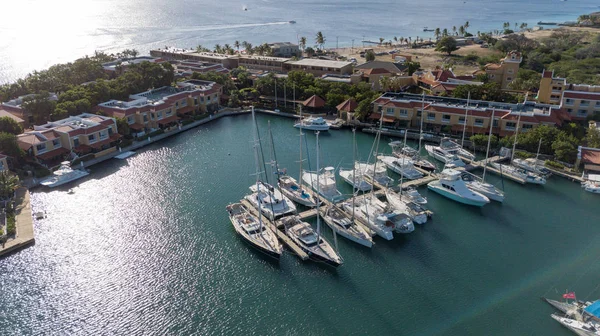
285,239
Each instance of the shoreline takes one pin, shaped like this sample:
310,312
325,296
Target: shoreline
25,236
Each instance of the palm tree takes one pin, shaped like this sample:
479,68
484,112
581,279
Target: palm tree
249,49
437,33
461,30
395,39
236,44
8,184
445,32
454,29
320,39
303,43
381,40
245,45
217,48
466,25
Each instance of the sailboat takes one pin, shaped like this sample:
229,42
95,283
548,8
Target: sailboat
343,225
531,164
578,327
401,151
267,199
349,175
479,185
450,185
450,146
373,172
324,181
403,166
309,240
441,155
253,231
291,188
416,213
592,184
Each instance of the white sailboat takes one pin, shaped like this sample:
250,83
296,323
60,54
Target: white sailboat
520,173
291,188
450,146
416,213
343,225
441,155
252,230
533,164
324,181
308,239
450,185
377,173
578,327
474,183
412,195
357,181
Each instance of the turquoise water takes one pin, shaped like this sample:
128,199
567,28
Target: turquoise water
66,30
144,246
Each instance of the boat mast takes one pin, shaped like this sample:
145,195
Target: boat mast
377,137
487,152
353,168
318,192
256,162
462,141
512,155
403,160
421,130
538,153
300,173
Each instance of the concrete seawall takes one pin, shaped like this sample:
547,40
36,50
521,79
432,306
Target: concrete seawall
24,223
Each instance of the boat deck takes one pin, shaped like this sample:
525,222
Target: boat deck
282,236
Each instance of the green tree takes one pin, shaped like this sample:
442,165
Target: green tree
9,145
9,125
481,140
565,147
592,138
8,184
236,44
446,44
123,126
381,40
320,40
369,56
411,67
363,109
40,106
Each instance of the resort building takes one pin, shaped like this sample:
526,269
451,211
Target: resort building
450,115
115,68
162,108
15,107
441,81
589,158
4,113
579,100
372,73
319,67
284,49
51,143
268,63
187,67
505,72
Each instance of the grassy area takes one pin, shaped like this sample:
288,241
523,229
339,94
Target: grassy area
11,225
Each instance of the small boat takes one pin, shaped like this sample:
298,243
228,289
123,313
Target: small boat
451,186
326,183
568,307
519,173
292,21
443,156
252,230
592,184
451,147
40,215
578,327
474,183
64,174
355,179
542,23
402,166
317,248
70,191
271,203
379,175
428,30
400,151
413,195
397,202
313,124
342,224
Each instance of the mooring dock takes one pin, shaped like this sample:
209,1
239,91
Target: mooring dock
271,226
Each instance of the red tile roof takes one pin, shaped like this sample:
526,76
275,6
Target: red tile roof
349,105
377,116
582,95
314,101
547,74
375,71
524,118
136,126
53,153
168,120
185,110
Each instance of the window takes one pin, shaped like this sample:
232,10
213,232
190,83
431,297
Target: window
510,126
159,115
110,131
581,113
570,110
479,122
41,147
598,103
196,101
584,103
446,118
509,79
176,104
430,116
389,111
183,103
168,112
404,113
461,120
419,114
527,127
92,137
492,76
56,143
75,142
510,71
130,120
208,98
568,101
202,99
103,135
145,118
495,124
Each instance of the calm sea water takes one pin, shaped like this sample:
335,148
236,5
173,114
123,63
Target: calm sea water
35,34
144,246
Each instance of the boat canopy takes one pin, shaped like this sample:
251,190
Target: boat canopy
594,309
594,177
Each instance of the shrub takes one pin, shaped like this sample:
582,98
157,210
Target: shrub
11,227
554,164
523,155
41,171
471,58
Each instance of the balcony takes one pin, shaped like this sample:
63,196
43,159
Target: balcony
478,124
446,121
509,128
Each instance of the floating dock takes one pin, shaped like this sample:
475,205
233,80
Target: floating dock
282,236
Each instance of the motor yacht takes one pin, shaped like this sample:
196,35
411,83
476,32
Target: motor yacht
64,174
313,124
412,195
451,147
519,173
401,166
439,154
327,186
450,185
253,231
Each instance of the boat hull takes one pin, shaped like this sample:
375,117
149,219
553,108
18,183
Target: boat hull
454,197
491,194
52,183
346,234
313,127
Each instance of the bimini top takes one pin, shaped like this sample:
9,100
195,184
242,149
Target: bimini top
594,309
